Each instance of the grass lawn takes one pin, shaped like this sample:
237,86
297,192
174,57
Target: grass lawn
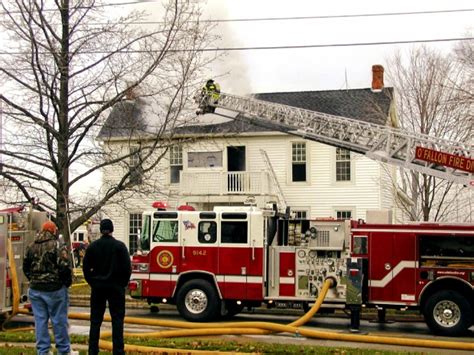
12,338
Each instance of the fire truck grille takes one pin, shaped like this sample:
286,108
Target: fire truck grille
323,239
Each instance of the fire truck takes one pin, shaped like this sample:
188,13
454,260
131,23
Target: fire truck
18,227
215,263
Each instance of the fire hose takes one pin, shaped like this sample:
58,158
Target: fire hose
237,328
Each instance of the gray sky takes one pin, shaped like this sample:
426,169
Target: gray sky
325,68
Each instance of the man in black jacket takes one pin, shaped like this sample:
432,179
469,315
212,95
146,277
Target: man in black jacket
107,270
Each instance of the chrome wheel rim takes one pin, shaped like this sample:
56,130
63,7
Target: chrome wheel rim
447,313
196,301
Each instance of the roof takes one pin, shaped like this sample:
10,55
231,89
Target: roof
125,118
129,117
361,104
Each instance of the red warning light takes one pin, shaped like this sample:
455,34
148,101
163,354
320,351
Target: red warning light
186,208
160,205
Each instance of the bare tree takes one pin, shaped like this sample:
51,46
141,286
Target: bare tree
66,66
464,54
429,101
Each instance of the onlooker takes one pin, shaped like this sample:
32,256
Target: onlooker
49,271
79,252
107,270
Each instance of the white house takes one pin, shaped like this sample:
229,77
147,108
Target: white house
234,162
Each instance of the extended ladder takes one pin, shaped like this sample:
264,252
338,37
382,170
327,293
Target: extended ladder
281,197
426,154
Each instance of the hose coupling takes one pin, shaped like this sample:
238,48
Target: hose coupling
333,281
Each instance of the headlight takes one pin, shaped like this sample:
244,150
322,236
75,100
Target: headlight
140,267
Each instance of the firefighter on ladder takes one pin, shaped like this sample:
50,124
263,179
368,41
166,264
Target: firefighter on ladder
209,95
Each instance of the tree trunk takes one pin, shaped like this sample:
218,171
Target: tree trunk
63,139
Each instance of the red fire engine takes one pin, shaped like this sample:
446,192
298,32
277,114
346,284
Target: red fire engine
214,263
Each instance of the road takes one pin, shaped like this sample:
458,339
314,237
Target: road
413,328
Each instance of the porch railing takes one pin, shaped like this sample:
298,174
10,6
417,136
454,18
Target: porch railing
225,183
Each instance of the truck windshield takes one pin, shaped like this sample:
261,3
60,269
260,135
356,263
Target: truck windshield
165,231
145,235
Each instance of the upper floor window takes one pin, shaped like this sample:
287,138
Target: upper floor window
176,163
343,164
298,161
204,159
136,169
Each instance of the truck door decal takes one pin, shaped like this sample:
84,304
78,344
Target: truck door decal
164,259
404,264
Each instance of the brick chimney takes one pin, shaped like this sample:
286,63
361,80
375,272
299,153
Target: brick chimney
377,78
130,94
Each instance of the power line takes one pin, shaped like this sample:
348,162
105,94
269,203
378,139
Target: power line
338,16
297,18
304,46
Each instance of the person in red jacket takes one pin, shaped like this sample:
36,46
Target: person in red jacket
107,269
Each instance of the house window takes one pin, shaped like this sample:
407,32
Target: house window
343,214
78,236
343,165
298,161
176,163
204,159
300,214
136,170
135,222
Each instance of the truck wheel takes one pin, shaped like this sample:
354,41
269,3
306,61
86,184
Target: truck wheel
198,301
448,313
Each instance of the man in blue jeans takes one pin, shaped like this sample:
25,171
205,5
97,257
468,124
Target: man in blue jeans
50,274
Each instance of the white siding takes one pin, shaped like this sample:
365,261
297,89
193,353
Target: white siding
320,193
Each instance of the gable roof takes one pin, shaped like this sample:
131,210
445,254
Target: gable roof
360,104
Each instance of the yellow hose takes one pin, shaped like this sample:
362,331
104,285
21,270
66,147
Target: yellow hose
13,278
203,329
240,328
319,301
14,282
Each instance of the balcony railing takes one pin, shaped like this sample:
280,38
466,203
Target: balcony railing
225,183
